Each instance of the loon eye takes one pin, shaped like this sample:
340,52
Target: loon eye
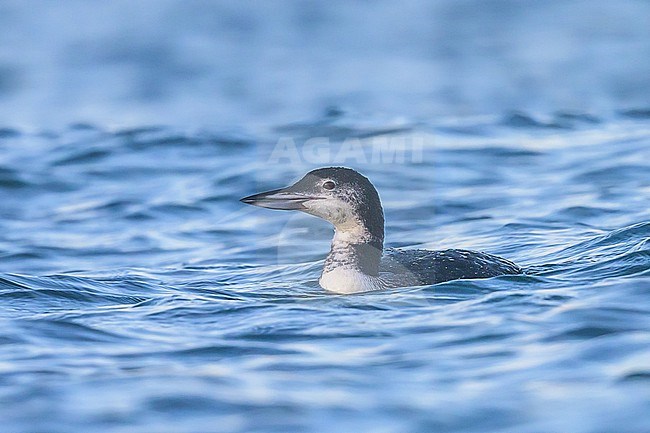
329,185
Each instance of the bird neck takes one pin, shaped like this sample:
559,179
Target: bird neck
356,247
352,266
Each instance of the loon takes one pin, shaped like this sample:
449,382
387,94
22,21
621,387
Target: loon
357,261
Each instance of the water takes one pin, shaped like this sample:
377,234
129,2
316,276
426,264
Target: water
138,294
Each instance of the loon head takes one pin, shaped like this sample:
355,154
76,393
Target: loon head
339,195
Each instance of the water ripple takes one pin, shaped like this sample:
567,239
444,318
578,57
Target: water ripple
134,290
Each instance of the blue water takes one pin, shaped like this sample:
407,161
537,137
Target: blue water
139,295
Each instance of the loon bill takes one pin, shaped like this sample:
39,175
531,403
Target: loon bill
357,261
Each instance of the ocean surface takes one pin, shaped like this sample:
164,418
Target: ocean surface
137,294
